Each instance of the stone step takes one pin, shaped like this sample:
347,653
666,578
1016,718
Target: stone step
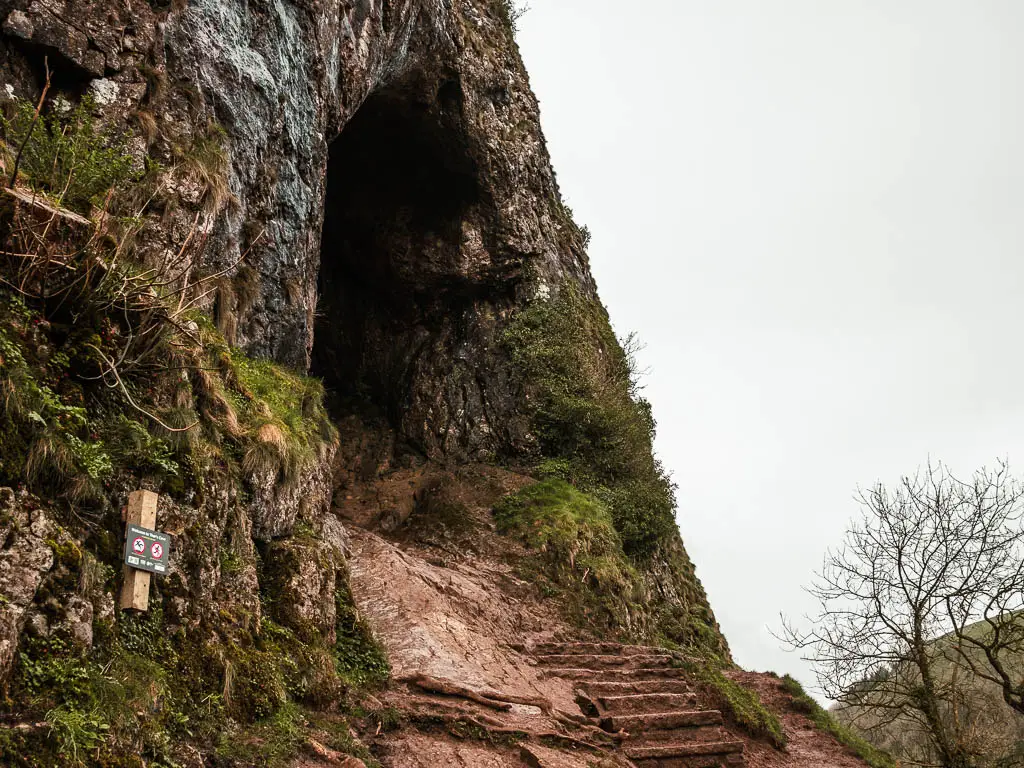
692,734
613,675
605,687
661,721
586,649
600,661
691,749
642,703
732,760
537,756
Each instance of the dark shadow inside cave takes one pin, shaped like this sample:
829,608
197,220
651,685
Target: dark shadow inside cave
399,185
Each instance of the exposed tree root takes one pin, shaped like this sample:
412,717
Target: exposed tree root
503,702
449,688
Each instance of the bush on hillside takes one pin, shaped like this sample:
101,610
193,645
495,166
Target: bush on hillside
66,154
594,429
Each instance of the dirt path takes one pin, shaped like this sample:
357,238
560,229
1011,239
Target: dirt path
808,747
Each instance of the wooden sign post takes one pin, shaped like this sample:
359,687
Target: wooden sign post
142,512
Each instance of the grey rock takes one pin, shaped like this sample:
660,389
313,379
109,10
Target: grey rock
77,621
25,559
275,506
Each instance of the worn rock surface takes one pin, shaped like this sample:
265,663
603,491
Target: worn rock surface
458,620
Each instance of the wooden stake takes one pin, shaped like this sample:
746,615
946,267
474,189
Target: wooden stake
141,511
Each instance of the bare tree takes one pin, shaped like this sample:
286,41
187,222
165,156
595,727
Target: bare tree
899,603
988,626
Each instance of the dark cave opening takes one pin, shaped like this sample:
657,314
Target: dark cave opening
400,183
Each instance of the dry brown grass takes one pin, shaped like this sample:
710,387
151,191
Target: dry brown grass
146,121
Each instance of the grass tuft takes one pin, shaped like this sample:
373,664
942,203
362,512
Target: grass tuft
743,705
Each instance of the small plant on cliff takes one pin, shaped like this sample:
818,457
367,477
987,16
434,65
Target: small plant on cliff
206,162
66,153
512,11
285,413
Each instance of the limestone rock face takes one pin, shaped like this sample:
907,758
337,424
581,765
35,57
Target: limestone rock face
408,124
25,559
51,585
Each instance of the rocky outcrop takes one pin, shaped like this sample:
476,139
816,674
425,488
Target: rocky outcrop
52,585
410,127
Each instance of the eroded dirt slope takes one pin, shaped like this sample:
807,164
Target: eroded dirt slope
481,668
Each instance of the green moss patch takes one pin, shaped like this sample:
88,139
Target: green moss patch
580,561
576,537
140,691
361,661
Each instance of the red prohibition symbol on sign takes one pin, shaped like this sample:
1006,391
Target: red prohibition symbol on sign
157,550
139,546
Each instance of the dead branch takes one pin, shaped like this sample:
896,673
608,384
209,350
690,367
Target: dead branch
112,367
32,125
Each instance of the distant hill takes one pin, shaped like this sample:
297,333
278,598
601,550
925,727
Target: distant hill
993,731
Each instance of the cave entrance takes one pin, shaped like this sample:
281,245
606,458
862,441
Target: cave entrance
400,184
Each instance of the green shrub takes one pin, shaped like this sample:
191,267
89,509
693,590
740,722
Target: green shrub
594,429
66,153
274,742
48,667
78,732
511,12
806,705
100,700
553,515
575,531
54,435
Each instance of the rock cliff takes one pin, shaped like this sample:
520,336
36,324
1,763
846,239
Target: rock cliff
356,189
409,128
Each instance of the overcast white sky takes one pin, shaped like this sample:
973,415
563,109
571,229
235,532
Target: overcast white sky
811,212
